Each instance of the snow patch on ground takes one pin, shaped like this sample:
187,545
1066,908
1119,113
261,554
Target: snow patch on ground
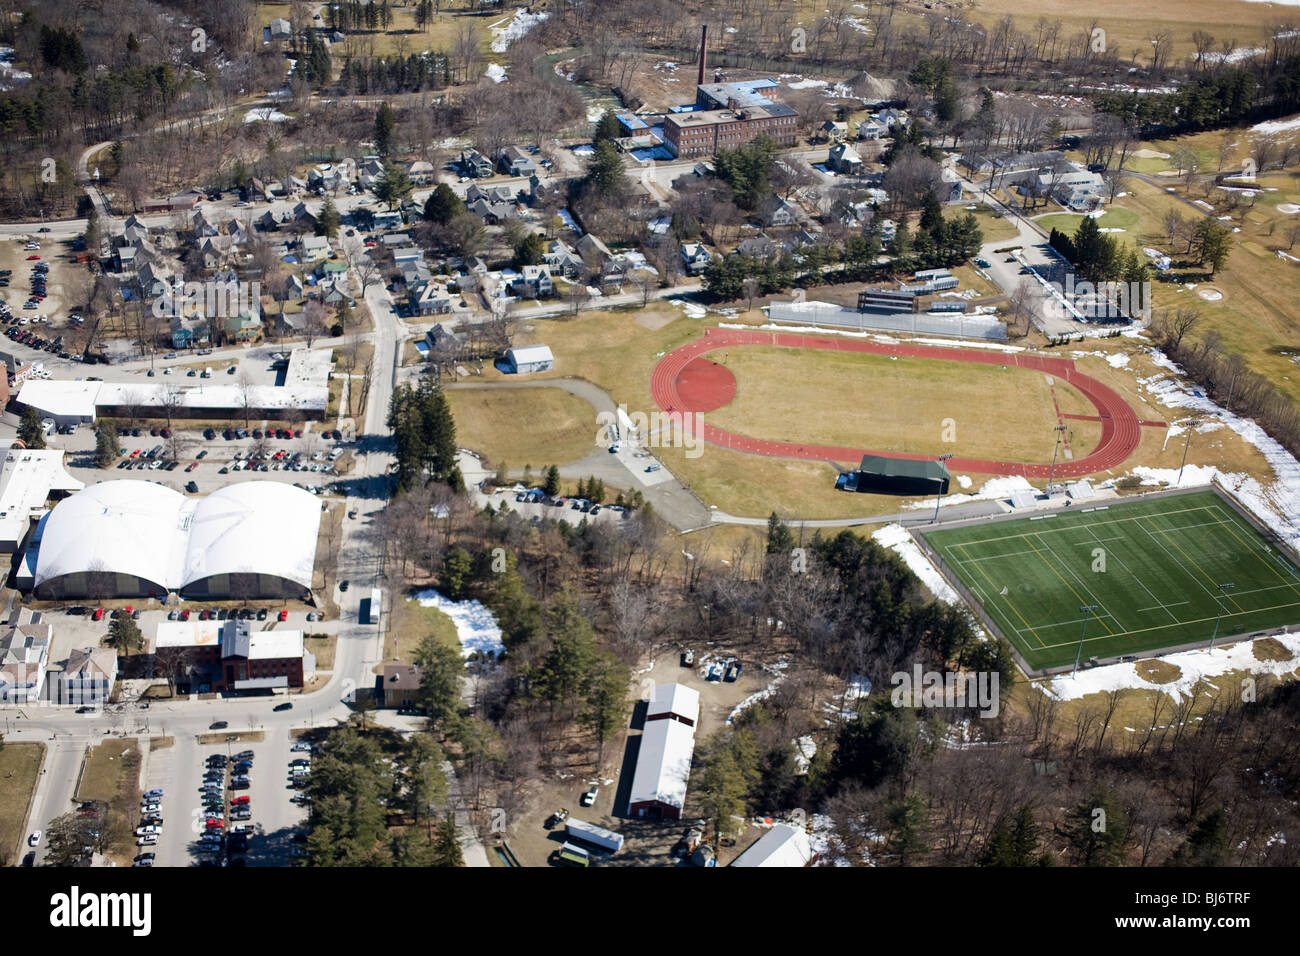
693,310
1195,665
964,481
1277,506
1118,360
896,538
994,489
523,21
1277,126
476,626
495,72
265,114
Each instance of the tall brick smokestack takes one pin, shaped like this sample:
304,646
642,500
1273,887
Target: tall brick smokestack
704,52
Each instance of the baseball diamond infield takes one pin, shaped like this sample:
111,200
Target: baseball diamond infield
684,381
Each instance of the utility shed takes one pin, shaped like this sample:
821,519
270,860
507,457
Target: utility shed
885,475
529,358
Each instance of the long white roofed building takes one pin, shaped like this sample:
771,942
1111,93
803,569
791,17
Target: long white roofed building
254,539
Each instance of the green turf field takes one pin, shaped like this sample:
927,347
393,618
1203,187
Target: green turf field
1152,568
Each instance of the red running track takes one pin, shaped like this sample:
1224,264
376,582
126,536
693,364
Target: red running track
1120,428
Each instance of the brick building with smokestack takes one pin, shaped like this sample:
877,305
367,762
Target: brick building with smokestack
727,115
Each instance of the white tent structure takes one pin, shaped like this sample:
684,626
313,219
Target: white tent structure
136,538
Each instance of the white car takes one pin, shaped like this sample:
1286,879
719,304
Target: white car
150,808
149,839
149,829
301,745
34,839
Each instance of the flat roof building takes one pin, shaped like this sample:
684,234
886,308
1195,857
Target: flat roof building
28,477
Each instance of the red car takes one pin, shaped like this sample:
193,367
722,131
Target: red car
98,615
191,466
203,615
215,824
32,258
185,615
284,616
240,801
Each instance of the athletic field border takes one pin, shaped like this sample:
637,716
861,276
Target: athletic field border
976,606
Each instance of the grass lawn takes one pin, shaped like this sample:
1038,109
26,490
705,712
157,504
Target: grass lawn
111,774
910,405
1115,217
20,766
323,646
1151,569
523,425
410,624
101,775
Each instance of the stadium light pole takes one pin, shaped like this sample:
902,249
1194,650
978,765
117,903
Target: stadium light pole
940,497
1059,429
1191,427
1223,592
1085,610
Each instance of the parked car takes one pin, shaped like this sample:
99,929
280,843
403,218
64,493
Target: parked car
34,839
589,797
218,725
287,705
153,793
149,839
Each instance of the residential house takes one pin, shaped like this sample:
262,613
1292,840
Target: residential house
155,279
492,213
516,162
389,219
254,190
303,217
541,193
279,30
216,250
245,327
474,164
24,654
420,172
400,685
833,132
562,260
200,227
950,191
315,248
492,194
759,245
534,282
267,222
429,298
595,254
870,129
890,117
87,678
778,212
695,258
189,331
844,159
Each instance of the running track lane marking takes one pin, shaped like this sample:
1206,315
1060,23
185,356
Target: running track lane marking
1120,426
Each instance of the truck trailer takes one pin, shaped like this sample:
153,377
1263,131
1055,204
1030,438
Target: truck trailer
596,836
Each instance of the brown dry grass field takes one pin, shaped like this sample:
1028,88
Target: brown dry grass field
1129,26
617,351
410,624
20,766
895,405
524,425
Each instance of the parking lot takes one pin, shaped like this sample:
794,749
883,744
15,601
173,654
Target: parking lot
179,457
273,817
